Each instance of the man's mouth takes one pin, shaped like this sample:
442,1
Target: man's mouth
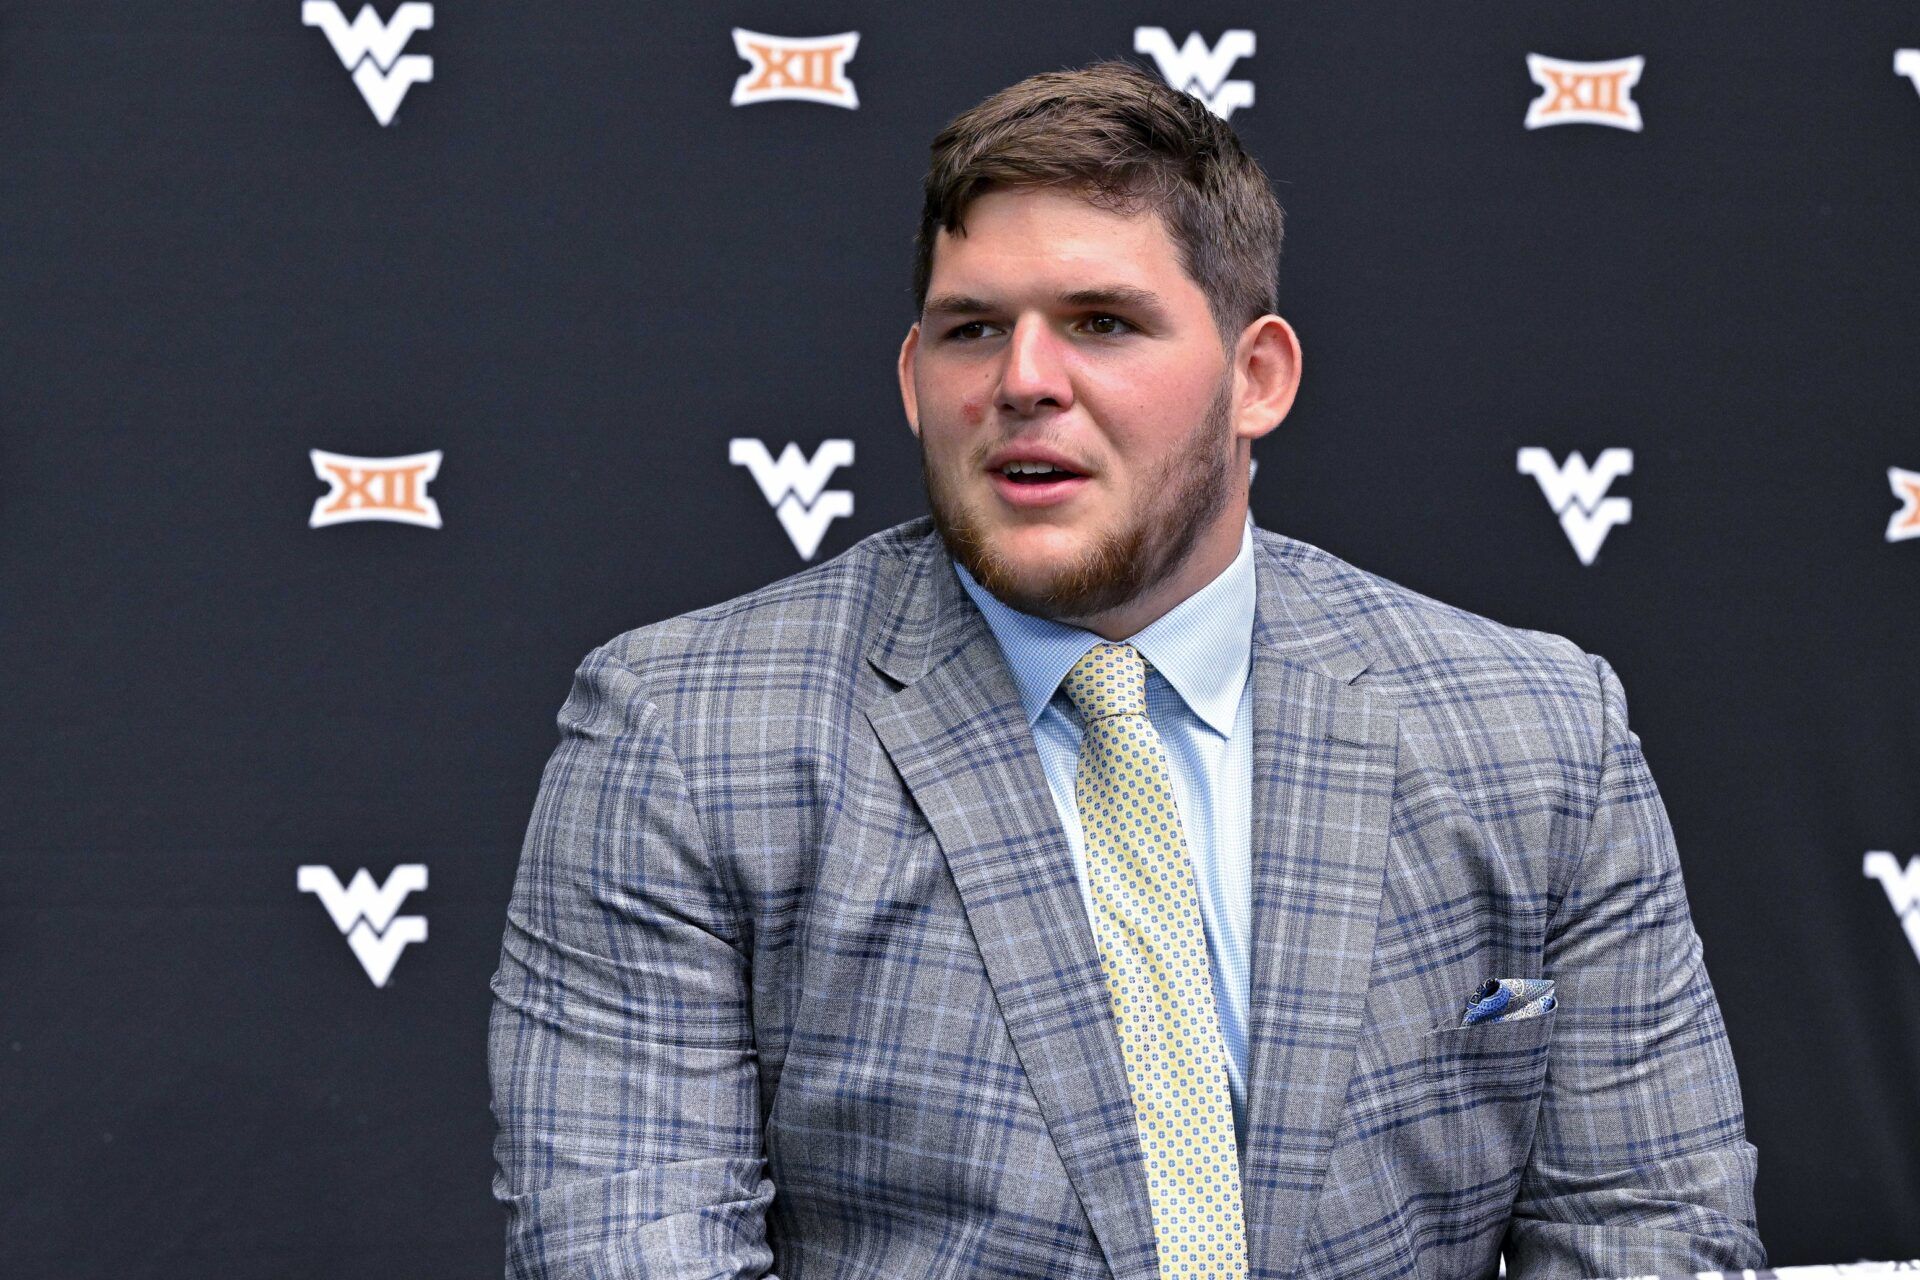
1025,473
1036,482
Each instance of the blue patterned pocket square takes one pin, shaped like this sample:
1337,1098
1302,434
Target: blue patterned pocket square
1510,1000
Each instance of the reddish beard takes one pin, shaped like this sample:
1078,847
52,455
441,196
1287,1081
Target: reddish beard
1184,495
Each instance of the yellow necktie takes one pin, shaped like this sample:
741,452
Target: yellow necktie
1153,947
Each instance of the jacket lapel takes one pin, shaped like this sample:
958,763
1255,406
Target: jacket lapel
1324,764
1323,774
956,733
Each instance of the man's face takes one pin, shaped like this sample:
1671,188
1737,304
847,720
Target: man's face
1076,409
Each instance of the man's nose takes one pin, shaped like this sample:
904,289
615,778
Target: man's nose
1034,376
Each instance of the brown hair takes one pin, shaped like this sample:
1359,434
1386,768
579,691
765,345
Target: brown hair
1128,142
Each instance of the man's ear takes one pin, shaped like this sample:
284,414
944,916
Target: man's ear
1267,368
909,398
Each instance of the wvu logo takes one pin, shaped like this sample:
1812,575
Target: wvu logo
1906,521
371,49
1584,92
793,487
786,69
375,489
1194,68
367,915
1579,495
1906,62
1903,891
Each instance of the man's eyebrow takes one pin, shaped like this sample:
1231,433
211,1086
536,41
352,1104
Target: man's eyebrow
1121,296
954,304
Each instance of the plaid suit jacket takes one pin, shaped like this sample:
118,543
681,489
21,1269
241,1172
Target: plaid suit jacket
797,979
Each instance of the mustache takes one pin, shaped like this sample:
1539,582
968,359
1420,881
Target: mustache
1052,441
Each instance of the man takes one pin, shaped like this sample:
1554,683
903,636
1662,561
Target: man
1084,883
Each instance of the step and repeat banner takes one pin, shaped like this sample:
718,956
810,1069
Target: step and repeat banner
364,367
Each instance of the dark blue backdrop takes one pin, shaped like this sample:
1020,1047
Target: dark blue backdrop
578,272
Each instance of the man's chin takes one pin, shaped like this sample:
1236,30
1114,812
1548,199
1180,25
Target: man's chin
1037,557
1060,579
1034,591
1047,569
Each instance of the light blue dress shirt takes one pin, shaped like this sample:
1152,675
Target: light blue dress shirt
1199,701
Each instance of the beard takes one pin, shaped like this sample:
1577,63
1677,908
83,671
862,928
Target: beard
1181,499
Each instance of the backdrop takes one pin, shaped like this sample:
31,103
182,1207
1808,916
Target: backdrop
363,370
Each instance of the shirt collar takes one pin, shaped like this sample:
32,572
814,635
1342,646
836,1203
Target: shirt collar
1203,646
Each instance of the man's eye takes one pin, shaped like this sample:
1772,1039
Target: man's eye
969,331
1106,326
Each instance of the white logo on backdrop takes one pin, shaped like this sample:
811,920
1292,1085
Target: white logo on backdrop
795,486
370,49
1579,495
375,489
366,913
790,69
1906,62
1903,891
1194,68
1584,92
1906,521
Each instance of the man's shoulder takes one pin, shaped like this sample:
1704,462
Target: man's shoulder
1415,643
811,625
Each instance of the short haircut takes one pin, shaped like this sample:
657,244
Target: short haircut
1126,141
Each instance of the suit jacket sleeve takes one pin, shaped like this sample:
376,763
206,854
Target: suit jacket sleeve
621,1049
1640,1163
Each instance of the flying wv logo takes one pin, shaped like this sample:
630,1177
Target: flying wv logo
1906,62
1579,495
367,915
371,49
1194,68
794,486
1903,891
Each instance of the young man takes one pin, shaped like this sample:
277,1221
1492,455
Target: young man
1083,882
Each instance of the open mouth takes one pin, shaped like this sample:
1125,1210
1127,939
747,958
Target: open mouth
1033,473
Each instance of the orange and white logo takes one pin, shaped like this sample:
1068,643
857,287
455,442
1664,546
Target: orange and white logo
1906,521
1584,92
789,69
375,489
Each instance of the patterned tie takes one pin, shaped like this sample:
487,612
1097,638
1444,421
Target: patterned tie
1153,947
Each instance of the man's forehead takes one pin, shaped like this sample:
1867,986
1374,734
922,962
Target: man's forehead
1011,215
1051,245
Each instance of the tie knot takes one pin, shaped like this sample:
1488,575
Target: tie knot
1111,680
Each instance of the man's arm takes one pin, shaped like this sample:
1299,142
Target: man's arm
621,1046
1640,1163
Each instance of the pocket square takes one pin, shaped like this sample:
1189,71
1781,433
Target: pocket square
1510,1000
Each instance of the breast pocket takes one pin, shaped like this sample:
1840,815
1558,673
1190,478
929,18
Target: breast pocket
1490,1059
1463,1152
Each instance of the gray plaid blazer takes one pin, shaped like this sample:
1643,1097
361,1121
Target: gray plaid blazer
797,979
